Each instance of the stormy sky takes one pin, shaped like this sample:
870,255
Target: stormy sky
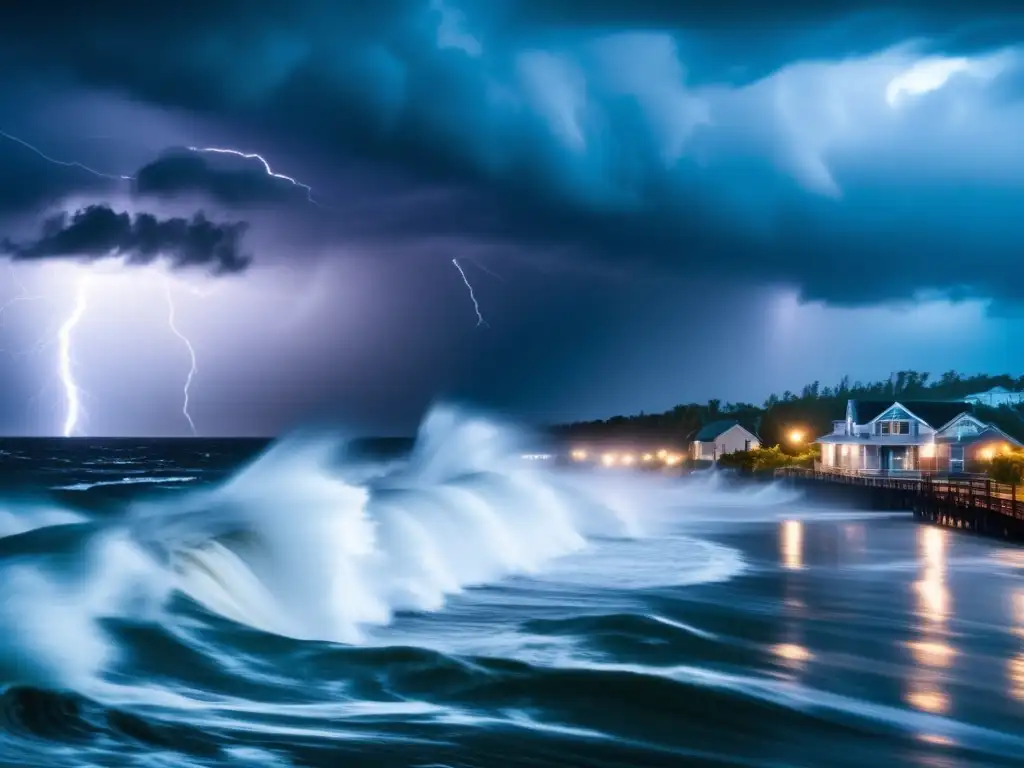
654,202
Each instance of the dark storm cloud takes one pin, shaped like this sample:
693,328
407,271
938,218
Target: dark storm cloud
99,232
178,173
582,124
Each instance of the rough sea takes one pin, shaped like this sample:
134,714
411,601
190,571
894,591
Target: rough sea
236,603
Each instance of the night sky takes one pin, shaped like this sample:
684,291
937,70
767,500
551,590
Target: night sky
654,202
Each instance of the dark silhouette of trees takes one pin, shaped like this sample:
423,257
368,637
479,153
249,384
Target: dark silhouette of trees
812,411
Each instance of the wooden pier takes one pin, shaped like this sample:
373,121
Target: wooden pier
969,503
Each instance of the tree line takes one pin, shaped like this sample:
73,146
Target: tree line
811,410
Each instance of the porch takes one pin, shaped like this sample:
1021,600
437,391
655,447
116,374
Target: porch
876,457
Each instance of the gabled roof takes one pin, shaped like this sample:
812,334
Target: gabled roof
934,413
987,432
712,430
957,419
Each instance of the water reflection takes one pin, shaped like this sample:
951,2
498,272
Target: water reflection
1015,672
1015,666
791,545
855,539
930,651
793,655
1017,610
928,697
933,603
791,650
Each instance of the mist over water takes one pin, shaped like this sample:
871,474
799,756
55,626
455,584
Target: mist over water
214,603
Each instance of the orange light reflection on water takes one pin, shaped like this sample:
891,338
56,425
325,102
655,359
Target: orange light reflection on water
928,699
932,653
792,652
791,545
933,603
1015,673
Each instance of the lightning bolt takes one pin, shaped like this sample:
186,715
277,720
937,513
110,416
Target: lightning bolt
65,368
67,377
71,390
266,167
65,163
191,353
472,296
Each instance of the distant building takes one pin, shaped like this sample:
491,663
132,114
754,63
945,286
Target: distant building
721,437
996,397
924,436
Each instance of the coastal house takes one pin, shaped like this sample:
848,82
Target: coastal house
922,436
721,437
996,397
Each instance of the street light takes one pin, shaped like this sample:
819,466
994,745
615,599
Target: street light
796,436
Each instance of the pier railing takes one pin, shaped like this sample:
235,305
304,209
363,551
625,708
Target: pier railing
950,491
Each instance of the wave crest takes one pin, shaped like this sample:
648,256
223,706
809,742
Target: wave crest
296,549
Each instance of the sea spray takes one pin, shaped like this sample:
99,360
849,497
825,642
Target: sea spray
298,551
304,544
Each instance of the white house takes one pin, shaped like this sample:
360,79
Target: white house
721,437
996,397
928,436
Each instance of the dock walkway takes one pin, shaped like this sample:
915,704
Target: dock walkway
971,503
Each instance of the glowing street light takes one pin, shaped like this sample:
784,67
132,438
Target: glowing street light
796,436
579,455
609,459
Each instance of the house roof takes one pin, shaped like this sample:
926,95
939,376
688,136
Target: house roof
714,429
990,432
935,413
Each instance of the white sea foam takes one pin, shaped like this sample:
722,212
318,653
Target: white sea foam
20,518
124,481
302,545
318,558
49,604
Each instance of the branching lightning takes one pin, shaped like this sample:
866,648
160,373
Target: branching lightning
72,393
65,368
67,377
472,296
191,354
266,166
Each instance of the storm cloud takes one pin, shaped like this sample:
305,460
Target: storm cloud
99,232
780,143
783,180
180,173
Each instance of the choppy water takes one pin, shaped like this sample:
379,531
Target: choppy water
172,603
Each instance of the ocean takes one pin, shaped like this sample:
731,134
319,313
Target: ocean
310,602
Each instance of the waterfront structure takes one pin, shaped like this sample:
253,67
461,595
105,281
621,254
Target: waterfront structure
911,437
721,437
996,397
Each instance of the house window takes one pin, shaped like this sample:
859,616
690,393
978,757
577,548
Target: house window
746,445
894,427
